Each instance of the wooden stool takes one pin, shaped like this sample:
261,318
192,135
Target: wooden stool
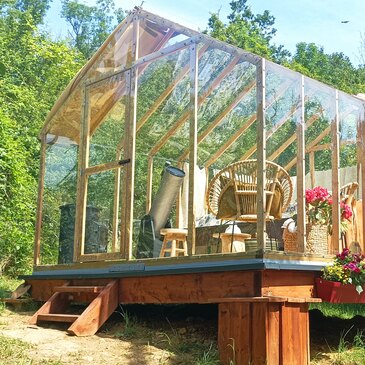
237,244
178,242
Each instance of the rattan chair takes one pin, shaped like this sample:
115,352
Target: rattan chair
347,195
232,193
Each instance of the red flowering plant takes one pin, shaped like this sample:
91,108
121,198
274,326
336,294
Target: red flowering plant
347,268
319,208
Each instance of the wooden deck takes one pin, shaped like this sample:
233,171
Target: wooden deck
263,302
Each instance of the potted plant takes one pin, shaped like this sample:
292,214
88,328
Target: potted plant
319,213
344,280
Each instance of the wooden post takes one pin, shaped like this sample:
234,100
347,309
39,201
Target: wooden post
335,239
301,172
312,168
131,121
38,225
262,330
261,153
149,184
193,136
79,237
361,160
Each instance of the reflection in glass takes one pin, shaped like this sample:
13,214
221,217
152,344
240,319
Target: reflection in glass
57,234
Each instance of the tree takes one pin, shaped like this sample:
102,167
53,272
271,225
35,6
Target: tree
34,69
90,25
249,31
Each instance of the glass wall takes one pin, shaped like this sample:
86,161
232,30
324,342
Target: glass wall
351,114
163,97
58,218
228,143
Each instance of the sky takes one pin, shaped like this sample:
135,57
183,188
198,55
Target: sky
317,21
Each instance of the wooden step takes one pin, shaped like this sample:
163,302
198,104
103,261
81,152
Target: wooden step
78,289
52,317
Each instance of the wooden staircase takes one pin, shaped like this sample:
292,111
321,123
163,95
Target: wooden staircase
104,300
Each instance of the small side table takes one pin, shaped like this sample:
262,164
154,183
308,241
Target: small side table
237,244
177,237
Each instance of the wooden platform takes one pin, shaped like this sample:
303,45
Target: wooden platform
255,306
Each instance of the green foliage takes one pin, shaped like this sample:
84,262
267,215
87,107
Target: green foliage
90,25
33,70
334,69
249,31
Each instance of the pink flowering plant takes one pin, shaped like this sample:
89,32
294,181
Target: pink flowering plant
319,208
347,268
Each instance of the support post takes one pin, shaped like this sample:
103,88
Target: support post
335,239
301,171
193,134
262,330
261,154
38,226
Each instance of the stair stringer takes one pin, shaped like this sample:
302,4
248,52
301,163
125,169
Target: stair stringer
57,303
97,312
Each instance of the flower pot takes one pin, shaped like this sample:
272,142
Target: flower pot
335,292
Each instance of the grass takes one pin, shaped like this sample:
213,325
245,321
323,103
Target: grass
343,311
15,352
7,285
350,353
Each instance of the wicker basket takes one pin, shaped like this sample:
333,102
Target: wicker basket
317,240
290,241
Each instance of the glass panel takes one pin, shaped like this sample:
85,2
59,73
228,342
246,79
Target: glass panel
283,112
100,212
107,117
351,112
58,218
154,36
320,113
115,56
162,104
226,132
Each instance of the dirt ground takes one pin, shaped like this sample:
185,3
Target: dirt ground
115,343
146,338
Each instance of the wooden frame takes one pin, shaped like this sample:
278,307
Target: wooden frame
82,84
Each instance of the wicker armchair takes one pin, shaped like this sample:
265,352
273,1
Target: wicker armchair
232,193
347,195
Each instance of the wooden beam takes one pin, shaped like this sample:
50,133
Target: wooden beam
38,225
149,184
301,212
312,169
193,155
130,150
334,246
82,180
261,153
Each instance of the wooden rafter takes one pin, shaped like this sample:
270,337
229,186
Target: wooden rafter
179,123
222,115
228,143
289,141
313,143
